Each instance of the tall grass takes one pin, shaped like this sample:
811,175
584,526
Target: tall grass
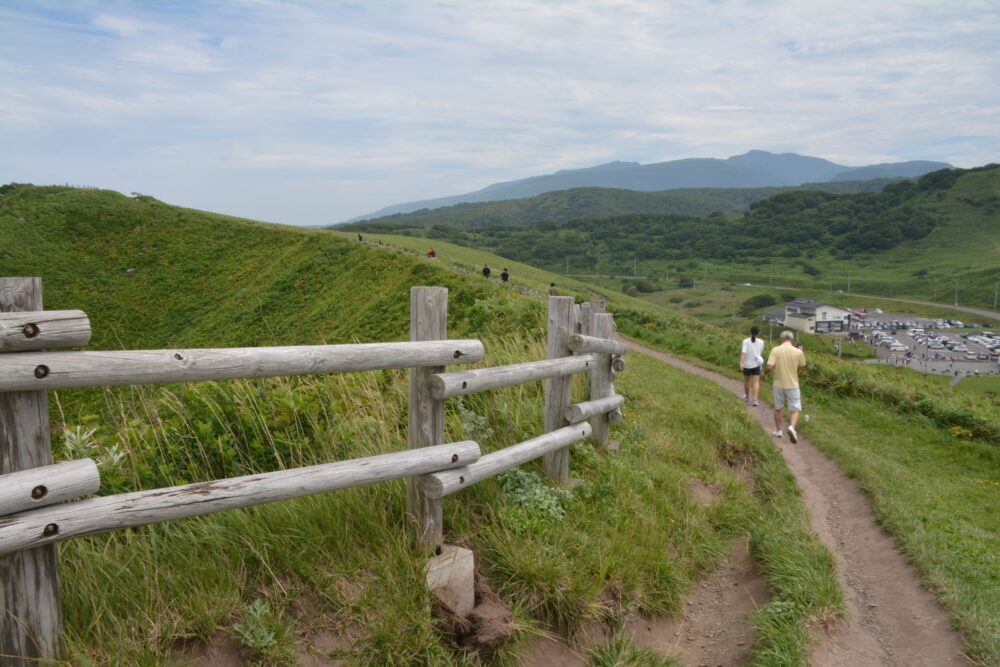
629,539
927,457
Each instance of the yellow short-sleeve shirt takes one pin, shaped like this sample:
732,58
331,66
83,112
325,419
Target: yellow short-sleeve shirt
786,360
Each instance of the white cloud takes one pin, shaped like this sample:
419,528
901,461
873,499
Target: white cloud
434,98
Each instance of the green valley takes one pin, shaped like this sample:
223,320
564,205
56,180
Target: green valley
923,239
630,539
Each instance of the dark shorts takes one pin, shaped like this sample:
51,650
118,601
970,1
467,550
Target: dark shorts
752,371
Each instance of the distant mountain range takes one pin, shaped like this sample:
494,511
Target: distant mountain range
751,170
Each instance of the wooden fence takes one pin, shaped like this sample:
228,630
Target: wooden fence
40,502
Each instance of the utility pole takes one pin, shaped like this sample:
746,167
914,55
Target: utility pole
706,270
848,281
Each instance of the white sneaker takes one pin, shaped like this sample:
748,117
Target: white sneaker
776,434
745,398
755,404
792,435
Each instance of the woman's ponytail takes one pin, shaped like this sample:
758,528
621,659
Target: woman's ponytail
753,334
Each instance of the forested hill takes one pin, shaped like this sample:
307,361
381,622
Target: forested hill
964,203
753,169
576,203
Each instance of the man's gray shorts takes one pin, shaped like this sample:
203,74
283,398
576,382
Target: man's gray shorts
792,396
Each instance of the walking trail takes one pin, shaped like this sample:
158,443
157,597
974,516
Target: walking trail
892,619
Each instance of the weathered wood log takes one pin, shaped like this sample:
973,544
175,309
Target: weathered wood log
62,370
428,321
440,484
617,364
30,614
458,383
47,485
586,315
98,515
43,329
559,390
580,411
616,417
600,378
581,344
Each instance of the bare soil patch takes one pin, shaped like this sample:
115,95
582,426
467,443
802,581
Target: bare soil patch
715,627
892,618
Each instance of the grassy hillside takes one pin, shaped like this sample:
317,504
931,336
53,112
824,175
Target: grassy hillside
575,203
916,239
926,453
206,279
276,579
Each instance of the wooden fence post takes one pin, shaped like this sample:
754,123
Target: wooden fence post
602,326
428,321
559,390
30,620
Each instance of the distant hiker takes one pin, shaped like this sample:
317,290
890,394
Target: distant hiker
431,254
486,271
553,290
786,360
360,239
505,277
751,360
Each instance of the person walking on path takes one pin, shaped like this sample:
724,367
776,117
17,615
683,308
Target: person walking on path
553,290
751,360
505,277
486,271
786,360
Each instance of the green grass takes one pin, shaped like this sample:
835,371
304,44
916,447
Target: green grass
630,532
925,453
620,652
937,491
270,574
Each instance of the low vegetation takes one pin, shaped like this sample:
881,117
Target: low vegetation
629,539
926,455
913,239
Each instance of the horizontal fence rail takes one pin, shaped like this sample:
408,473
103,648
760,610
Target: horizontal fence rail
63,370
40,501
98,515
38,487
459,383
440,484
580,411
37,330
582,344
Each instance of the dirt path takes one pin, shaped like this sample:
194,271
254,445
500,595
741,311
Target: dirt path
892,619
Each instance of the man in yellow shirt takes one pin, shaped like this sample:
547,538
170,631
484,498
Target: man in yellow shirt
786,360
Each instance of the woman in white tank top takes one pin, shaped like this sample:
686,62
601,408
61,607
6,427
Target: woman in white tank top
751,360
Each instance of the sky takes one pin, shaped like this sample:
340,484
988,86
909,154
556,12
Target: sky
312,112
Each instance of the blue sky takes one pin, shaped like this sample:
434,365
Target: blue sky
313,112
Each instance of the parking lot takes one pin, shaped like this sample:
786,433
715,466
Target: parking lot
944,347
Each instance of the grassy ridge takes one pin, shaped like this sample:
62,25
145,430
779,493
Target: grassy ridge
929,457
205,279
272,575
